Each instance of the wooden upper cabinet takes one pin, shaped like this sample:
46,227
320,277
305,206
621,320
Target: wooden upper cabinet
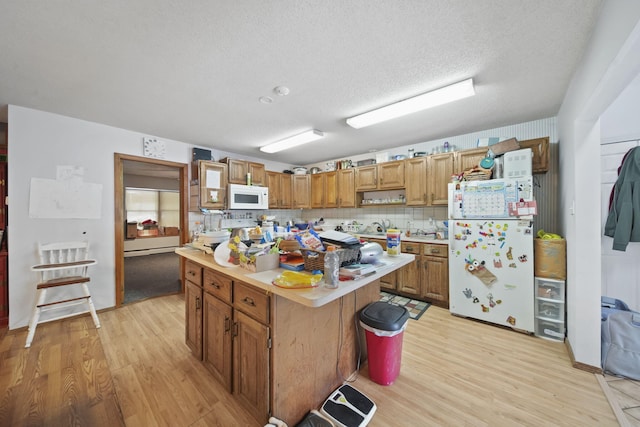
367,178
258,173
346,188
300,191
415,170
317,190
211,189
383,176
273,183
285,190
238,170
391,175
279,190
324,190
331,189
540,149
439,171
467,159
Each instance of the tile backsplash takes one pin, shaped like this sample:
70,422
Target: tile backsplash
399,217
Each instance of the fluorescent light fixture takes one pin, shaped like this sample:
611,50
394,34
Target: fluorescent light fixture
292,141
440,96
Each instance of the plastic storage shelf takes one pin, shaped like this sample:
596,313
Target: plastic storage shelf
550,308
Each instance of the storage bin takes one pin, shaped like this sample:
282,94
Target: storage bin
549,289
549,329
550,310
384,326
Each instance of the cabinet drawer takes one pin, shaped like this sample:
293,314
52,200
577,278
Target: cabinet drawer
433,249
218,285
251,301
550,310
193,272
410,248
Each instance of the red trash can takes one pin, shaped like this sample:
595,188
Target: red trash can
384,326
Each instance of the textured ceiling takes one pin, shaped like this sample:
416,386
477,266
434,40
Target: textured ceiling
193,71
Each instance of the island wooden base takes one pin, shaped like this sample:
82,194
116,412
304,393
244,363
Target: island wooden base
315,350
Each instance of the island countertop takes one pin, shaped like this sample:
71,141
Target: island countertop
310,297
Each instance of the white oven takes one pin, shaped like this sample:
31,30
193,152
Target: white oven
248,197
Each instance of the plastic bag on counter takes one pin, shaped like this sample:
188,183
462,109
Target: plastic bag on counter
297,279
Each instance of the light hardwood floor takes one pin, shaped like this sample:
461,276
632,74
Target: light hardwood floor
137,371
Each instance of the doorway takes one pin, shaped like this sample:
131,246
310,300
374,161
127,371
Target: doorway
125,165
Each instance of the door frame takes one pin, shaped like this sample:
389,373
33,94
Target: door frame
119,213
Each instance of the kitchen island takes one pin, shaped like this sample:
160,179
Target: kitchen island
281,352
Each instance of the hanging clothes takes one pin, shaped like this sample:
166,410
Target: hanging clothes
623,221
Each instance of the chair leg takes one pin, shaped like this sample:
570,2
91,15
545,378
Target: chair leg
35,316
92,308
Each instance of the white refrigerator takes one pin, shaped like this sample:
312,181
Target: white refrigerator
491,251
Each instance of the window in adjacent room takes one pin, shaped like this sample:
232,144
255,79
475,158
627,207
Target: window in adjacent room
162,206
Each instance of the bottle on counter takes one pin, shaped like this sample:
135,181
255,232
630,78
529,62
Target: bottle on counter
331,267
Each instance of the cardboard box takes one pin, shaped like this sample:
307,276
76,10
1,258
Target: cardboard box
263,263
550,258
132,230
505,146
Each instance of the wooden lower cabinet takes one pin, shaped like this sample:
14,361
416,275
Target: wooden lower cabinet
193,307
409,277
427,277
217,343
193,318
435,272
277,357
251,364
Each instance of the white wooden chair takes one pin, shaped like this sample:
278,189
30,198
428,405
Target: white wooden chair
62,264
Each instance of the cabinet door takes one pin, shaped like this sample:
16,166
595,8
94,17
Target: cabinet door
273,183
237,171
317,190
258,173
216,345
330,189
212,181
193,318
251,355
300,192
408,278
389,281
468,159
416,181
391,175
367,178
436,278
439,171
346,188
285,191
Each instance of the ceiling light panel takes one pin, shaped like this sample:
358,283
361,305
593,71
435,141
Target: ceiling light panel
440,96
293,141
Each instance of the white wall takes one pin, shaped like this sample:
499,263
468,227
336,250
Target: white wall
38,143
620,131
610,64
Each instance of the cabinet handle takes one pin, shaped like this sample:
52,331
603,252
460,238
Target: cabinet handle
227,324
249,301
191,272
435,251
198,304
235,330
215,285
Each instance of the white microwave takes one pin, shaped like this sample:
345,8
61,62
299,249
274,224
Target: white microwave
248,197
